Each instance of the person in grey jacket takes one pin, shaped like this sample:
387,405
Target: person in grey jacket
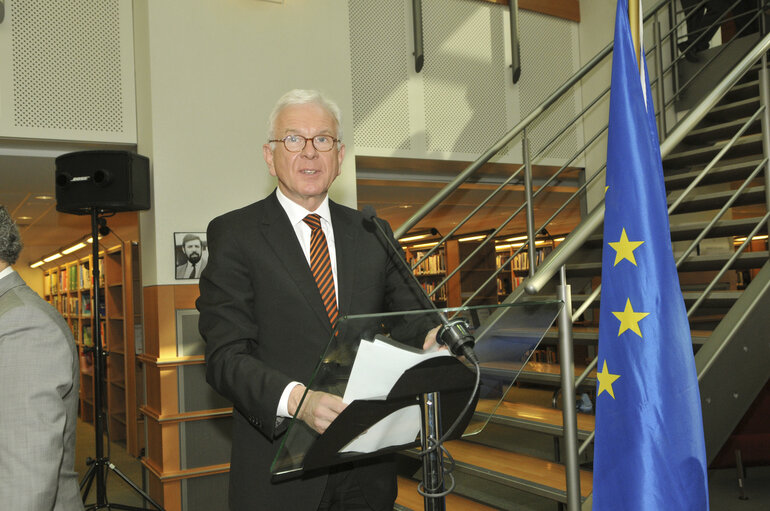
38,393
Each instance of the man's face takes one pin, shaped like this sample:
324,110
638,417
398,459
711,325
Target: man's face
192,249
305,176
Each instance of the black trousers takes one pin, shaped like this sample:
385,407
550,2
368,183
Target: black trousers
343,493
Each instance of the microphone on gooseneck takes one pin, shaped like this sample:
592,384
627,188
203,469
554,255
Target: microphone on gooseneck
454,333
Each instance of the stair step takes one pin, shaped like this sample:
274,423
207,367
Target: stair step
742,108
714,201
720,132
693,263
527,473
742,90
747,145
409,499
691,230
719,298
590,335
533,417
722,173
546,373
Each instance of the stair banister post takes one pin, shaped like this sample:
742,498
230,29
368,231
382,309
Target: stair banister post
660,88
569,410
528,199
764,98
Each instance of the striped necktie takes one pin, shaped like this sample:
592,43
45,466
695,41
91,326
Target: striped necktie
321,266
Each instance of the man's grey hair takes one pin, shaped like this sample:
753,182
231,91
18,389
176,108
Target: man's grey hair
304,97
10,239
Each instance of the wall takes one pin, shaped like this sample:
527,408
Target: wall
208,74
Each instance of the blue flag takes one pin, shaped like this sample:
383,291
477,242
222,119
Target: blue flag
649,452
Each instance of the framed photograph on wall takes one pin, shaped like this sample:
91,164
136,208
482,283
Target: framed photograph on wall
190,253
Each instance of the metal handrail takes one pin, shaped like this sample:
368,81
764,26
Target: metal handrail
512,133
575,240
527,204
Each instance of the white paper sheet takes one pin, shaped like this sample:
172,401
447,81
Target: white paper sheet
377,367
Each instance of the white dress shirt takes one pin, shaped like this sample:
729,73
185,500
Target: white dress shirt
296,214
7,271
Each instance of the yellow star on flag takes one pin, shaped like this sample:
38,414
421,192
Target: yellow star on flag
624,249
606,379
629,320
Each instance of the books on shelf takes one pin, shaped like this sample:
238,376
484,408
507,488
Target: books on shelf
85,300
434,264
84,275
87,337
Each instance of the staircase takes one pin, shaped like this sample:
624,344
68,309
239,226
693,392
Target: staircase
717,178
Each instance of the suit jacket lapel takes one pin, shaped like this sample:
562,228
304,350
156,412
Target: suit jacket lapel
279,233
345,240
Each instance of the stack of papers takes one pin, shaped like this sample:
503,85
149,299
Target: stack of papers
377,367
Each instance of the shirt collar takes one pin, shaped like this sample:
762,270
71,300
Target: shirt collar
296,213
6,272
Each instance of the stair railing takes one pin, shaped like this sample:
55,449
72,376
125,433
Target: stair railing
555,262
669,144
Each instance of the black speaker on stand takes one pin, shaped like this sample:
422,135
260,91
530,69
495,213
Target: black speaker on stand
100,183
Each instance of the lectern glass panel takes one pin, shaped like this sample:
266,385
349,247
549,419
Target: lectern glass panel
376,364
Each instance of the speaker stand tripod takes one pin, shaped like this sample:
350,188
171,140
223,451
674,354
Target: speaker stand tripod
99,465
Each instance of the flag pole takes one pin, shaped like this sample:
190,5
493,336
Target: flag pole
633,21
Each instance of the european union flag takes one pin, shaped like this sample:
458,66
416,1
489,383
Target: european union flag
649,451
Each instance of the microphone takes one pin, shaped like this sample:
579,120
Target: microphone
453,334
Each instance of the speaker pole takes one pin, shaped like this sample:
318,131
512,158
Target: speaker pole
97,467
101,481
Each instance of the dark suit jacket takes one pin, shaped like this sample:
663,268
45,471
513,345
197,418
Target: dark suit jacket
265,325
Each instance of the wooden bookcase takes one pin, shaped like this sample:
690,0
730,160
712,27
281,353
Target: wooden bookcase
68,287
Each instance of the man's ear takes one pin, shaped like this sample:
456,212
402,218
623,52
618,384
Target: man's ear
340,157
267,154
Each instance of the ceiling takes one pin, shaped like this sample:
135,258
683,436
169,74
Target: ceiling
396,188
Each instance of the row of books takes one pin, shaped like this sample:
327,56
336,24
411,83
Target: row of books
521,260
434,264
87,338
441,294
71,278
504,289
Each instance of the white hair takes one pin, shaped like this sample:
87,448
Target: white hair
304,97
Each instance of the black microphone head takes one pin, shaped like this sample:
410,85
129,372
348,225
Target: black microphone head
369,213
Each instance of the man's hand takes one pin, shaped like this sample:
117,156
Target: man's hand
319,408
430,339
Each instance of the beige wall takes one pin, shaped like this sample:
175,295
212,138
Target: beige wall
208,74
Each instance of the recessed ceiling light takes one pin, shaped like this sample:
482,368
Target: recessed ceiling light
23,218
44,197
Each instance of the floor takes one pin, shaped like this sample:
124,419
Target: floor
118,492
723,484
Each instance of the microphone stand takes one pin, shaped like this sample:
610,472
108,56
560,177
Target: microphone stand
455,335
97,467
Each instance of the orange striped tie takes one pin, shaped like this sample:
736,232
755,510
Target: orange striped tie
321,266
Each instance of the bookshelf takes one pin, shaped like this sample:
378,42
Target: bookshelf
68,287
518,268
430,272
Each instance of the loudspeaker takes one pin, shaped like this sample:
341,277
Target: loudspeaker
105,180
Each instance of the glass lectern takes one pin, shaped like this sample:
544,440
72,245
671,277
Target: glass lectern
375,362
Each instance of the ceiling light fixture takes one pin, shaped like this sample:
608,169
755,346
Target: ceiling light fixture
53,257
71,248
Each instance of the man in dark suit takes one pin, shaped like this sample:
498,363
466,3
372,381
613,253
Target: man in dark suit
266,317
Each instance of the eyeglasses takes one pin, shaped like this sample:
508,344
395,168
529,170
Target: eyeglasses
296,143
